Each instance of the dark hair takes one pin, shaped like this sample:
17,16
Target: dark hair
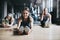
26,8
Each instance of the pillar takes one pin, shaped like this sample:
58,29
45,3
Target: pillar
5,9
57,16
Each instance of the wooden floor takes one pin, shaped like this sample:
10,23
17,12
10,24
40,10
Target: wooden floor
38,33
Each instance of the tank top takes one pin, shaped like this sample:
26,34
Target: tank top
25,23
45,17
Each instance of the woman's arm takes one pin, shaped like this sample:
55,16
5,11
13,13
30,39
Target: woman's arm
12,21
31,22
50,18
42,16
19,22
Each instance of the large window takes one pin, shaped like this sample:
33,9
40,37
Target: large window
48,4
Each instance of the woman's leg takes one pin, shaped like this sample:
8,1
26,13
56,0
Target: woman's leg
21,30
42,23
27,30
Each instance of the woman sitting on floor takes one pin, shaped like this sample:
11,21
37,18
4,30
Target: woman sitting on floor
45,18
8,21
25,22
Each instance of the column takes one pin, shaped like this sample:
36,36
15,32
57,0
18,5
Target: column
57,9
5,9
12,10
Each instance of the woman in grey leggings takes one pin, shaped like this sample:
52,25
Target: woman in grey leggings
25,22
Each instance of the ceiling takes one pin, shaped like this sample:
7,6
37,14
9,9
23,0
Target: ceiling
19,2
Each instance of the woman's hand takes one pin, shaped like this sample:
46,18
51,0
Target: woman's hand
17,27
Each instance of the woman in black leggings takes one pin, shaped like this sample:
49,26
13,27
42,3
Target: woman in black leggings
45,18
